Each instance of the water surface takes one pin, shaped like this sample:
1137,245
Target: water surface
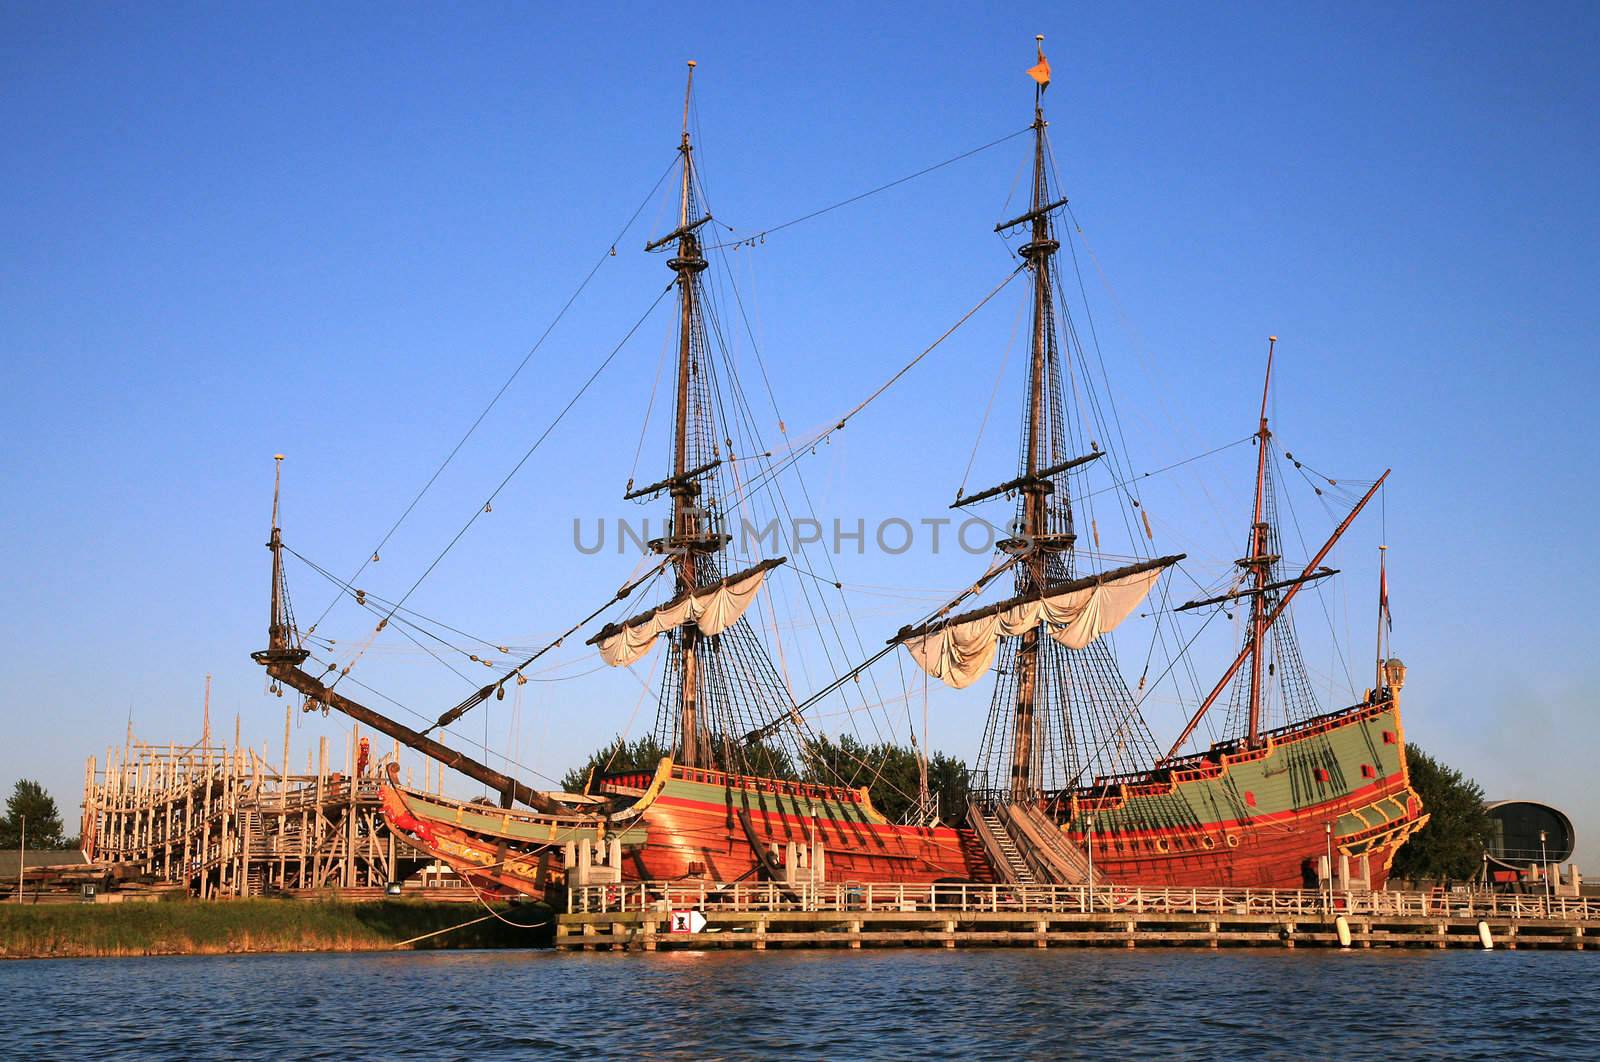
1001,1003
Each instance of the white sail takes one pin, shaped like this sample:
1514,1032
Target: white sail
959,654
713,609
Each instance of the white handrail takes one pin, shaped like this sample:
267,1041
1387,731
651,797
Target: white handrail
1066,899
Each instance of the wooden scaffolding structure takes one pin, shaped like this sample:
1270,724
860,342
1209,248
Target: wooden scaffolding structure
226,822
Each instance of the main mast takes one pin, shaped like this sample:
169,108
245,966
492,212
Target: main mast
1060,707
1033,518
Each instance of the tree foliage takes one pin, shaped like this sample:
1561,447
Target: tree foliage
1451,845
619,755
890,772
29,800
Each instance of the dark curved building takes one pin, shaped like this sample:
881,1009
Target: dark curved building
1514,837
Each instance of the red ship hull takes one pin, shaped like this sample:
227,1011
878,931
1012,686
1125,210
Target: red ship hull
1333,790
1268,817
707,824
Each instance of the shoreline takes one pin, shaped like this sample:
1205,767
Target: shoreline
257,927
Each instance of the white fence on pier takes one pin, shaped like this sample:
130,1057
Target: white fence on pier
1071,899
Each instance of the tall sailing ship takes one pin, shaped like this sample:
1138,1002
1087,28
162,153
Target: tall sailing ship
1069,785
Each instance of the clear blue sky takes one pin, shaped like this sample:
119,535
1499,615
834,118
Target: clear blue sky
331,230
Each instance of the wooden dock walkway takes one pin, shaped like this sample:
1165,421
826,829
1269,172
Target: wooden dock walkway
651,916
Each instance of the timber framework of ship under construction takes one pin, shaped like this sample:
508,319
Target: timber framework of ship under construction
224,821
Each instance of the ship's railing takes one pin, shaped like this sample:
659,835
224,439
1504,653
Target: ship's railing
1070,899
756,783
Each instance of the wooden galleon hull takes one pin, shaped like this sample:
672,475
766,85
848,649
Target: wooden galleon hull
1259,818
703,823
500,852
1256,819
685,824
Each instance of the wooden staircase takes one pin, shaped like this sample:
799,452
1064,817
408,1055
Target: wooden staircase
1064,862
999,847
1025,847
256,847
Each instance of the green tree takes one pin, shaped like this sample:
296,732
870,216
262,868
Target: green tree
29,800
947,781
1451,845
890,773
619,755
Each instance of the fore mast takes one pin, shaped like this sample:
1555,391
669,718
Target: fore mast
689,540
719,683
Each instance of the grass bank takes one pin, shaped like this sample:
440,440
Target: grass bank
196,927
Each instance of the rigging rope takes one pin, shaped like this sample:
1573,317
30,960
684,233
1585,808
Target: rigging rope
482,695
760,237
795,454
797,549
610,252
839,681
1005,359
485,507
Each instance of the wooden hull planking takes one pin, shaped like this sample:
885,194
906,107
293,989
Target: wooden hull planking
1252,819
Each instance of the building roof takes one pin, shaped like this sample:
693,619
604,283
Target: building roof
37,857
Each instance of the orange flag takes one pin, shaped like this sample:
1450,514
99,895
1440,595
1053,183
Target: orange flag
1041,71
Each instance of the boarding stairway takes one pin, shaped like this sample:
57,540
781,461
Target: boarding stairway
999,848
1026,847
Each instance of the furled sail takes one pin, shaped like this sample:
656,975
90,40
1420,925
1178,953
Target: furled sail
959,651
712,608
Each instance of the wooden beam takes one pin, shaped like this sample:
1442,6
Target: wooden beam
1237,594
680,231
671,481
445,755
1039,478
1022,219
1060,588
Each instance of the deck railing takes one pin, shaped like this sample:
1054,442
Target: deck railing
1113,900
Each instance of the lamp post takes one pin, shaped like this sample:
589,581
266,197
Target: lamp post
1544,871
22,855
1088,823
1328,830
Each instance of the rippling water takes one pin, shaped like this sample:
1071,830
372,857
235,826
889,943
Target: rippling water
885,1004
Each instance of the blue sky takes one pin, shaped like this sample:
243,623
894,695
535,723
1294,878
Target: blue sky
332,231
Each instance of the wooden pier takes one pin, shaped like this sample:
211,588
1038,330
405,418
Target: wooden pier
652,916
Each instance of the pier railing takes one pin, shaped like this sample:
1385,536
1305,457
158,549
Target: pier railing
666,896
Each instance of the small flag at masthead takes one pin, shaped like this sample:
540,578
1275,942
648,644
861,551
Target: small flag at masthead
1040,71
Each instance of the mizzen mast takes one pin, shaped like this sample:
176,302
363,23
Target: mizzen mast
1259,560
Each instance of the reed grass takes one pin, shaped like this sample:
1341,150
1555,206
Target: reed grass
196,927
